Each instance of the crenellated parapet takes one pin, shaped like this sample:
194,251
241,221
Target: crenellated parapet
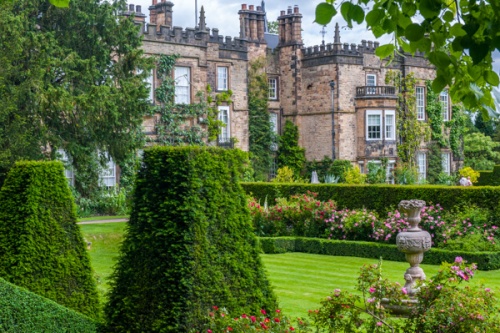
340,49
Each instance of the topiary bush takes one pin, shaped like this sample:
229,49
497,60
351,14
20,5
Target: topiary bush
189,244
23,311
41,247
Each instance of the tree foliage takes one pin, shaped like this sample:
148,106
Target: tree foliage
479,151
261,136
290,154
457,37
72,79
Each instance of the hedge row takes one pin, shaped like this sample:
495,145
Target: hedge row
489,177
380,198
22,311
189,245
484,260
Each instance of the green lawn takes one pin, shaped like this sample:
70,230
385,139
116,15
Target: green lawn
300,280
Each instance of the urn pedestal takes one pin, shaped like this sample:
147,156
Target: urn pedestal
413,243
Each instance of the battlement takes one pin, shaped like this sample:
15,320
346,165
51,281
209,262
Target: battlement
340,49
194,37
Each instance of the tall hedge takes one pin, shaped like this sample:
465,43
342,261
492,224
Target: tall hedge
22,311
189,245
381,197
41,247
489,178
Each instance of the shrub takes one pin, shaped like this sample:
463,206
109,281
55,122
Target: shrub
23,311
350,225
284,175
189,244
489,178
354,176
41,247
469,172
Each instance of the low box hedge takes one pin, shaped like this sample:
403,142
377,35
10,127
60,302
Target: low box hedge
22,311
380,197
485,260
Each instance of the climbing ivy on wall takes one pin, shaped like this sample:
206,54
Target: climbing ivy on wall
410,131
290,154
185,124
458,126
435,114
261,136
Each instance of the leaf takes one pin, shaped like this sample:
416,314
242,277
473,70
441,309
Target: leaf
429,8
357,13
448,16
60,3
456,30
440,59
374,17
478,52
345,10
492,78
414,32
438,84
384,51
324,13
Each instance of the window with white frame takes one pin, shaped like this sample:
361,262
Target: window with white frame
420,101
107,176
444,99
273,118
446,162
374,125
225,133
273,88
222,78
390,125
182,77
150,83
422,166
371,81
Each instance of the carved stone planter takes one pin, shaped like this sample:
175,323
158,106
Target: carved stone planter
413,242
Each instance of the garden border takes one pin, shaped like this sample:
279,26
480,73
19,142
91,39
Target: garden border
485,261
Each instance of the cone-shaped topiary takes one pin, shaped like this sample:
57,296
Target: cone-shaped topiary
41,247
189,245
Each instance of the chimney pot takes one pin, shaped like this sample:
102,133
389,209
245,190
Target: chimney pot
259,8
131,8
289,10
243,6
252,7
295,9
138,9
282,13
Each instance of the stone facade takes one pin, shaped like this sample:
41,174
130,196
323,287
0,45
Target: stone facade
332,119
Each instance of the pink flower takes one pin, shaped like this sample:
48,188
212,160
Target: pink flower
209,331
278,310
372,290
487,290
263,311
276,320
459,260
379,323
404,291
253,319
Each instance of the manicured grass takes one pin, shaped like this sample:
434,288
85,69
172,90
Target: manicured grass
300,280
102,218
106,239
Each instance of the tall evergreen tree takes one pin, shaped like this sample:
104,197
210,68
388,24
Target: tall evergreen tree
290,154
69,81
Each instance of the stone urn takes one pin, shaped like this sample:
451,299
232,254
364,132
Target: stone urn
413,243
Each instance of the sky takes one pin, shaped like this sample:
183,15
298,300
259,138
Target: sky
223,15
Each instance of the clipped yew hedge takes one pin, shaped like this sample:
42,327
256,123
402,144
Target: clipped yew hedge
41,247
484,260
189,245
380,198
22,311
489,178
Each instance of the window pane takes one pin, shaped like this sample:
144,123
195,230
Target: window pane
373,126
443,97
221,78
420,103
371,81
389,126
422,166
182,77
273,93
445,160
225,130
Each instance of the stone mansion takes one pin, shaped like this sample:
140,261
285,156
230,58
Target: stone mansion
335,92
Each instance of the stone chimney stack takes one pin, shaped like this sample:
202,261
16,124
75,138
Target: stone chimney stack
290,27
252,23
136,11
160,13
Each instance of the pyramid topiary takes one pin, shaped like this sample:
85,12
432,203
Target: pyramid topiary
189,245
41,247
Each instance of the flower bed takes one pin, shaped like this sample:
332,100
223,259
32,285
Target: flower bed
468,229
